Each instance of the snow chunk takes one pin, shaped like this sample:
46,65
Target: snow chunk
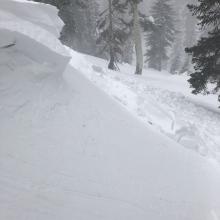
38,21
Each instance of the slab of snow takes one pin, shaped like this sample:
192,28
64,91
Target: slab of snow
41,26
48,14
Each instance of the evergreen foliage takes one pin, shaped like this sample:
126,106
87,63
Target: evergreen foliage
191,35
113,31
79,17
79,31
206,53
161,36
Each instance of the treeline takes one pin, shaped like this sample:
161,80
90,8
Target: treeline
114,30
176,38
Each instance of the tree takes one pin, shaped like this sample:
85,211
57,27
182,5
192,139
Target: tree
132,27
136,33
206,53
79,31
161,36
177,54
128,50
191,34
79,17
66,13
176,57
137,37
90,32
113,31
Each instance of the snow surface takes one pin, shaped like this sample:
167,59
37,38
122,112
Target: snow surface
162,100
69,151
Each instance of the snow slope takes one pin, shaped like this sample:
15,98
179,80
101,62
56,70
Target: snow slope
69,151
162,100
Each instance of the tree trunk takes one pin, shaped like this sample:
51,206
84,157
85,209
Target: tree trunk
111,64
137,40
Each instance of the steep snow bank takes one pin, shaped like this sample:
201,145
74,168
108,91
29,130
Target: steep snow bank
34,50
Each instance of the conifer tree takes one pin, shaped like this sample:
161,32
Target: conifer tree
176,57
79,23
128,49
206,53
136,32
177,53
91,14
191,34
161,36
79,31
113,31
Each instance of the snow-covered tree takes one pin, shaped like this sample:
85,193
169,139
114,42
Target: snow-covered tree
161,36
206,53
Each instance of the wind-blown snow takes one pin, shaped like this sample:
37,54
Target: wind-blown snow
69,151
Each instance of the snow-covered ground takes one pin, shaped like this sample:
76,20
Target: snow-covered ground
69,151
162,100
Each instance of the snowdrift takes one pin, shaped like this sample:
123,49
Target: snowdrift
69,151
